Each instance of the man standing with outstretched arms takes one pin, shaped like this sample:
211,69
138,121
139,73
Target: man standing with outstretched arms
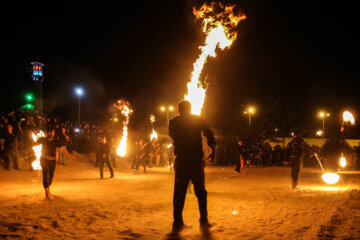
185,130
48,158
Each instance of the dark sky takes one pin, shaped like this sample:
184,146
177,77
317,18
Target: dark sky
290,59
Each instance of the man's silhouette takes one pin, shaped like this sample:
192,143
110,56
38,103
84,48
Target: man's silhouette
185,130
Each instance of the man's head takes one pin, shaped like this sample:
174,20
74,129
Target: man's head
9,128
51,132
184,107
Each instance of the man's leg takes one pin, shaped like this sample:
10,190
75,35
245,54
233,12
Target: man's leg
6,161
45,172
181,182
101,166
14,158
198,180
108,163
51,168
295,172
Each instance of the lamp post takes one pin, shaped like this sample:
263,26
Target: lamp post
323,115
79,92
250,111
167,110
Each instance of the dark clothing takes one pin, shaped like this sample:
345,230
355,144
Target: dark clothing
10,150
10,154
182,178
63,141
185,130
186,134
48,147
9,141
104,149
48,170
296,150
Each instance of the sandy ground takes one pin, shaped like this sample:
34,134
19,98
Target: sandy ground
140,206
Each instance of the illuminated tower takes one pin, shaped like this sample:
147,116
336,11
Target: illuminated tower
38,78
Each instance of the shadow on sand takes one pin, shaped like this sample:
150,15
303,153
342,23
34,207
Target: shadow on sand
205,235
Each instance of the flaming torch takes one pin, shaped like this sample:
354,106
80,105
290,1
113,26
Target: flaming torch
37,149
124,107
342,161
329,178
153,135
347,118
219,23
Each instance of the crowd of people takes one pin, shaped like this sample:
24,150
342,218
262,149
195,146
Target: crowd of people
17,127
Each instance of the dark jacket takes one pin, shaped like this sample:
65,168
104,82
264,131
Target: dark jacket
185,130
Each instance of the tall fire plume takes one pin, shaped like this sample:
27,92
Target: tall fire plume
124,107
37,149
154,134
219,23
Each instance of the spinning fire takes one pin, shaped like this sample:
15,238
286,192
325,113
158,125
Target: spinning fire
219,24
124,107
37,149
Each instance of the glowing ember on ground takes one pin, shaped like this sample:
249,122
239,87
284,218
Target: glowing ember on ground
348,117
234,212
331,178
124,107
219,24
342,161
37,149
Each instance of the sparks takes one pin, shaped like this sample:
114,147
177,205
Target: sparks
37,149
124,107
219,29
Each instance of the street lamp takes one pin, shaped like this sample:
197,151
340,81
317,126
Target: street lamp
167,110
250,111
79,92
323,115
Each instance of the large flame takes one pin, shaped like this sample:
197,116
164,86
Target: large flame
219,24
124,107
331,178
348,117
37,149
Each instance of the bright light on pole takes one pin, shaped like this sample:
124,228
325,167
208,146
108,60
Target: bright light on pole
79,92
323,115
167,110
250,111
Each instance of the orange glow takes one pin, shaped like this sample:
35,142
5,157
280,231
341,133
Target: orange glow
342,161
153,135
218,23
124,107
37,149
330,178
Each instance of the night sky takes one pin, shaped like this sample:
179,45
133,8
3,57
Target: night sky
291,58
